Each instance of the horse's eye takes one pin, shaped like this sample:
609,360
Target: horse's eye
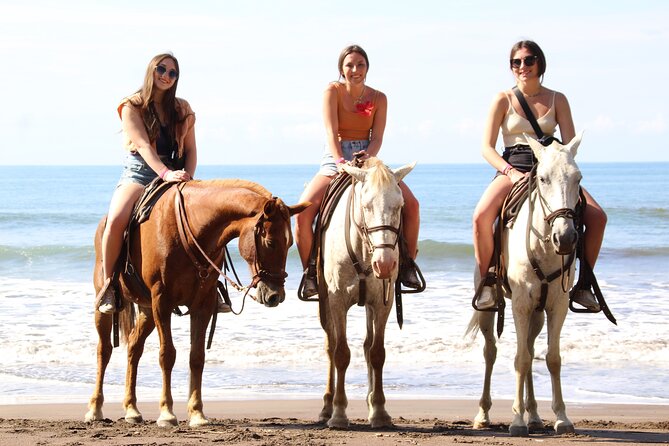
543,180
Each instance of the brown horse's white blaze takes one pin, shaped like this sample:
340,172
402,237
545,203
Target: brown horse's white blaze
374,217
218,211
547,233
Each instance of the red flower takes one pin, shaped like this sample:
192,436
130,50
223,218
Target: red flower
365,108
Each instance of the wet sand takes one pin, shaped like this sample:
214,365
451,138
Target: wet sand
294,422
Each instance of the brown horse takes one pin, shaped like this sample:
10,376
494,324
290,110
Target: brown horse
217,211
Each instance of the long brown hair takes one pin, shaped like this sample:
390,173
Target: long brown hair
146,105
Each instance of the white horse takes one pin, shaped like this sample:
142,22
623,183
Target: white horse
373,225
544,234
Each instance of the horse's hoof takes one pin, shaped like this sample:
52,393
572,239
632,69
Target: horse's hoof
481,424
93,415
198,422
535,426
338,423
481,421
134,419
167,422
381,423
519,431
563,427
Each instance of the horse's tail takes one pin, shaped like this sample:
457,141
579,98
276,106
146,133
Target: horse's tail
474,326
126,317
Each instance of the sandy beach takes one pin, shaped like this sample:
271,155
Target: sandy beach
293,422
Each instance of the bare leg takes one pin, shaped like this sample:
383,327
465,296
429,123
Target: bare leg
411,220
595,223
304,231
485,213
120,210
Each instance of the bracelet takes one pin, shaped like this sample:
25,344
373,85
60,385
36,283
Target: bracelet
163,173
341,160
507,169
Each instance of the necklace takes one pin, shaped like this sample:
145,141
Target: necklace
531,95
359,98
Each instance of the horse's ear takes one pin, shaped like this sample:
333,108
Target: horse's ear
403,171
355,172
297,208
269,208
574,143
536,146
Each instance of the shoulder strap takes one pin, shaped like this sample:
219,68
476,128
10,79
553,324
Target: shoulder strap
528,112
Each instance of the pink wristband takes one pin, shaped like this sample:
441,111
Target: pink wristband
162,174
341,160
507,169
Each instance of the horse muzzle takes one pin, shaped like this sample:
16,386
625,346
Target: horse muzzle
270,295
565,242
384,263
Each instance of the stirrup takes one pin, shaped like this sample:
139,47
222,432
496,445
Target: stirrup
222,307
106,302
585,298
411,277
489,282
308,287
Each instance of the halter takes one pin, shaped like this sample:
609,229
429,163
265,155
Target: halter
205,267
365,232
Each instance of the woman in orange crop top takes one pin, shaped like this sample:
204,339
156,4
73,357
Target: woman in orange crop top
528,64
355,119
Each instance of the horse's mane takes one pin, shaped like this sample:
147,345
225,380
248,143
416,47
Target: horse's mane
379,177
245,184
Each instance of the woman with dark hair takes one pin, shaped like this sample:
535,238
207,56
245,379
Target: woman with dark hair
355,119
551,109
159,135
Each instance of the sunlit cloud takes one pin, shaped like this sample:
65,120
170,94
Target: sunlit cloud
653,126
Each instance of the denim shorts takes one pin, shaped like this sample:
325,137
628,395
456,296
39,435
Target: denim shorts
135,170
348,148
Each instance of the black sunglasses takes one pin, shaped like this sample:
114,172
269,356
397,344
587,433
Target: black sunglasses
160,69
529,61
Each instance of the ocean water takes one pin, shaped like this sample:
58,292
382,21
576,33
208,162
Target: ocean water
48,217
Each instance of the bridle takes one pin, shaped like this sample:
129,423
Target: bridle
205,265
550,218
365,233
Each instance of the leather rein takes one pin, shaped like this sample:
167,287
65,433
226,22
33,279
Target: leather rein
205,265
364,231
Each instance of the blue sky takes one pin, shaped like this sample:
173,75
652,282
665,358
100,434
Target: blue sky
255,71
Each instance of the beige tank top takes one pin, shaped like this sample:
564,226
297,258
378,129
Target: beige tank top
514,125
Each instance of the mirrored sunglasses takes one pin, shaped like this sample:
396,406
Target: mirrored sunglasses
160,69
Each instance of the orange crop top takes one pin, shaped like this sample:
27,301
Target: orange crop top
354,125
